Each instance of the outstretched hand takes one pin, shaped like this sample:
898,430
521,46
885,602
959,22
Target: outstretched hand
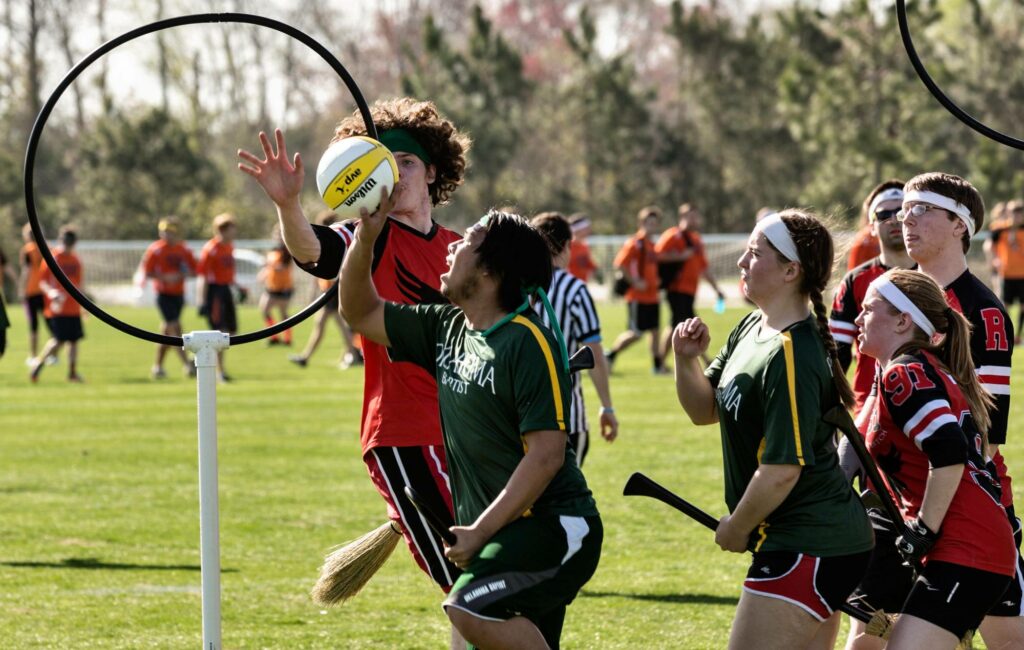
370,225
279,178
691,338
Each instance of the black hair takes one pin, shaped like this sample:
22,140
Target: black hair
518,256
555,228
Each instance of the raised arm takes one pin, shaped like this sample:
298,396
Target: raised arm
361,305
690,340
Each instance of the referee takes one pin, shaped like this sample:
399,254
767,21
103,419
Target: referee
577,318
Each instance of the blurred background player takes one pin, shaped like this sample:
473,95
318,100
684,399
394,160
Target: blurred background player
62,311
278,285
5,272
881,207
864,246
681,265
1007,245
400,433
330,312
581,262
215,279
31,261
580,326
168,263
639,262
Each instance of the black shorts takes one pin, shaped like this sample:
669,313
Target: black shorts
281,295
170,307
66,328
1011,603
3,340
220,308
1013,290
888,580
33,310
643,316
954,597
817,585
681,305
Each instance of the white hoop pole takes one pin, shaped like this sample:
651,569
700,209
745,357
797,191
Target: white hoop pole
205,345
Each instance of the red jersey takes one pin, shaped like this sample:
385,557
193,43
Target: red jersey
864,247
675,240
61,303
32,259
922,420
399,398
638,258
581,264
991,351
217,262
845,308
162,258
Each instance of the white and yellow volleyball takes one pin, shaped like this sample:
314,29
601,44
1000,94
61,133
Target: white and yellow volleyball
351,174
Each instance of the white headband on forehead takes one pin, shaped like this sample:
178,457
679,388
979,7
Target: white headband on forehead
891,194
944,202
900,301
580,225
775,231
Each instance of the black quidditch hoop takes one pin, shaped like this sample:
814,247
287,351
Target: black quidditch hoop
933,88
44,114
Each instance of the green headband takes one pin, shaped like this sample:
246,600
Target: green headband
401,140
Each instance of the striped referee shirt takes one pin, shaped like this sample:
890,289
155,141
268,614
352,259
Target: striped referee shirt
578,320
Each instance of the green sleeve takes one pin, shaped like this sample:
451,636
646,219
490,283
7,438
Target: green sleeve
714,371
413,332
540,383
792,399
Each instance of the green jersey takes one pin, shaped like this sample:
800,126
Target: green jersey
491,390
771,391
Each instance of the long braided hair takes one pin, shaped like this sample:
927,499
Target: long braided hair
817,258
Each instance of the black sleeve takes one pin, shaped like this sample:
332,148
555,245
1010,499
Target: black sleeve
332,251
841,322
992,339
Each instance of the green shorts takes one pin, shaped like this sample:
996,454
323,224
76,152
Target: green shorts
533,567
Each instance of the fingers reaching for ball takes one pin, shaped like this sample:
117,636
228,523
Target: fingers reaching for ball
280,178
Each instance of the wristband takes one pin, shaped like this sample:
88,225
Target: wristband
607,410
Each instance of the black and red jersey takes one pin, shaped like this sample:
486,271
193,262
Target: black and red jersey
845,308
991,351
399,398
921,421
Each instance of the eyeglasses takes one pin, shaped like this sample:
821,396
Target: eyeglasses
916,210
885,215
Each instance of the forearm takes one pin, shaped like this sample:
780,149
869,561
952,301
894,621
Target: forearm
711,280
767,490
358,298
298,235
938,494
694,391
599,375
524,487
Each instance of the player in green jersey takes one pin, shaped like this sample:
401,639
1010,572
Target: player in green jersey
768,388
528,531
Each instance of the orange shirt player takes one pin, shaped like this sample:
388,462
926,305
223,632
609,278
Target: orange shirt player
168,262
62,312
581,263
216,276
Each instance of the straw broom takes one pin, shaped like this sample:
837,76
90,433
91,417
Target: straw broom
881,626
349,567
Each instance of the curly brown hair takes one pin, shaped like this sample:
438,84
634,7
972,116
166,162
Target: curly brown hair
445,145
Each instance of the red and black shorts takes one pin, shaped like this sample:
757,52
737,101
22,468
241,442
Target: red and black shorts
220,308
954,597
817,585
425,469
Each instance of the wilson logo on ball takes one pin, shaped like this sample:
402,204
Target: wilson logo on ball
351,174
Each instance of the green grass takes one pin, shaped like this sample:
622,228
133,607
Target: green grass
99,536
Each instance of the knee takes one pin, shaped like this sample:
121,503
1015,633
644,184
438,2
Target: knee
465,623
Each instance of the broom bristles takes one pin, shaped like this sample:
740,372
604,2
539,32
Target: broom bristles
347,570
881,625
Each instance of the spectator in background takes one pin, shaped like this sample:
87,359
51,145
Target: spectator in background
1007,245
638,261
31,294
581,264
681,264
999,221
216,277
63,312
278,286
5,271
864,245
353,356
168,262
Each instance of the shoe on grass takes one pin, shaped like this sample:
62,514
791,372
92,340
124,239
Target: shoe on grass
298,360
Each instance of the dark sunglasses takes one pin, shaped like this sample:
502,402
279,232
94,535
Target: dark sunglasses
885,215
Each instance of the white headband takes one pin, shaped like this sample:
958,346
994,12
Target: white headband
900,301
776,232
580,225
891,194
944,202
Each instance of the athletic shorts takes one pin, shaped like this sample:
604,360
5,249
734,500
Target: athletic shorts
888,581
1011,603
681,305
580,443
817,585
643,316
533,567
954,597
220,308
170,307
67,328
33,311
1013,291
3,340
281,295
426,470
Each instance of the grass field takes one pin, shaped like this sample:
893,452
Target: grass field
99,537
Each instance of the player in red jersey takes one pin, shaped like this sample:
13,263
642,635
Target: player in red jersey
941,213
926,430
401,429
881,207
168,262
